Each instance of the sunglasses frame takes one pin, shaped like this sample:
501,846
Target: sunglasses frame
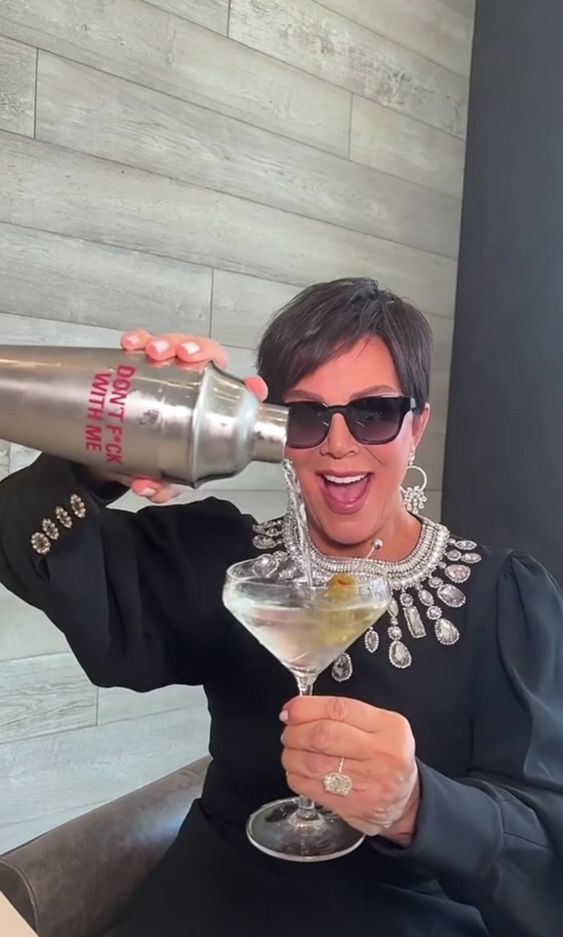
408,405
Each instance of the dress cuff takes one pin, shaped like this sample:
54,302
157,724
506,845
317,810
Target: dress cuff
459,829
56,500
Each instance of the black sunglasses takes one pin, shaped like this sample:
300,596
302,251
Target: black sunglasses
372,421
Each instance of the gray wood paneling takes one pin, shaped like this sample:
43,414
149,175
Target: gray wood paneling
86,197
430,456
116,703
42,695
243,305
307,35
467,7
105,116
48,276
213,14
433,509
405,147
25,631
425,26
94,765
24,330
147,45
440,381
17,86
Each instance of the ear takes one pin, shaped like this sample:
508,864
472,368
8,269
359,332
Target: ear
419,424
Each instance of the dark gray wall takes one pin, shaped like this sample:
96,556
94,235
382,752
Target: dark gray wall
504,455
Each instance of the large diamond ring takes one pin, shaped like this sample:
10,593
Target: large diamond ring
338,783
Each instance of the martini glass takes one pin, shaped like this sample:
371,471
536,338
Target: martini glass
306,627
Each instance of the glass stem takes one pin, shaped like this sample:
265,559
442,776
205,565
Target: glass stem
307,809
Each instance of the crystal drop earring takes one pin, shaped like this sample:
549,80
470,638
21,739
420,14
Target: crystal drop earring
413,496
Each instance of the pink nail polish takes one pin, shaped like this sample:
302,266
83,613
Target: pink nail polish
147,492
192,348
130,341
284,716
160,345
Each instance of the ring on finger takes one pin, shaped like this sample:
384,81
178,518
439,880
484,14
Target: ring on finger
336,782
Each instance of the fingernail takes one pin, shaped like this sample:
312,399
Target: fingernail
192,348
147,492
160,345
284,716
131,341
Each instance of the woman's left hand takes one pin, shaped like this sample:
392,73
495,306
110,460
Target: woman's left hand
378,749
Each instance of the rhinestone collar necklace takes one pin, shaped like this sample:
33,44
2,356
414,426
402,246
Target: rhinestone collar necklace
422,583
405,574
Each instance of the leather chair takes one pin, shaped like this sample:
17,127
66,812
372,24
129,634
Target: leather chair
74,880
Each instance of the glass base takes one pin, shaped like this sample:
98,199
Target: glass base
277,830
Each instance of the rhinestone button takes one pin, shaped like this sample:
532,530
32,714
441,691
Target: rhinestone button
63,517
434,613
50,528
40,543
78,506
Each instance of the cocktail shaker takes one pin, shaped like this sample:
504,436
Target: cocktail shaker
117,412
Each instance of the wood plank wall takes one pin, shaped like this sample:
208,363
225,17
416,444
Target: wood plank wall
191,164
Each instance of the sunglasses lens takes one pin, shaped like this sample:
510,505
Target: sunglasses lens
307,426
375,420
371,421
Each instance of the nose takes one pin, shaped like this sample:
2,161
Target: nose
339,442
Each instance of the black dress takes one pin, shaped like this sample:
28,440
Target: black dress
138,597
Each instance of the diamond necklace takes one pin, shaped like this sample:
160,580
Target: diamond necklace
422,583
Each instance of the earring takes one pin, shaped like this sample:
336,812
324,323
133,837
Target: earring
413,496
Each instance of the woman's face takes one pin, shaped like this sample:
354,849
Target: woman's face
352,514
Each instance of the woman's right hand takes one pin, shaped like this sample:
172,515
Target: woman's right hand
188,349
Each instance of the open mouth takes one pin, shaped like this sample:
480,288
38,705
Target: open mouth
345,494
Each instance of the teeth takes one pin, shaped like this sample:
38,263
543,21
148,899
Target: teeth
346,480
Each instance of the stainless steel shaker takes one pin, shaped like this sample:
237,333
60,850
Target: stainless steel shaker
117,412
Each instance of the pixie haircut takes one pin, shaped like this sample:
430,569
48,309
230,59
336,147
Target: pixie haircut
328,318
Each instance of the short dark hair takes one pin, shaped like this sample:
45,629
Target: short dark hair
327,318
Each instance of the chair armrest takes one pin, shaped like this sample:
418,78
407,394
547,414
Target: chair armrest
74,880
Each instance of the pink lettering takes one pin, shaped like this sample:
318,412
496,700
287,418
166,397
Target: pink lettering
126,370
100,383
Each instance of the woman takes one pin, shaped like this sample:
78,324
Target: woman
449,716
